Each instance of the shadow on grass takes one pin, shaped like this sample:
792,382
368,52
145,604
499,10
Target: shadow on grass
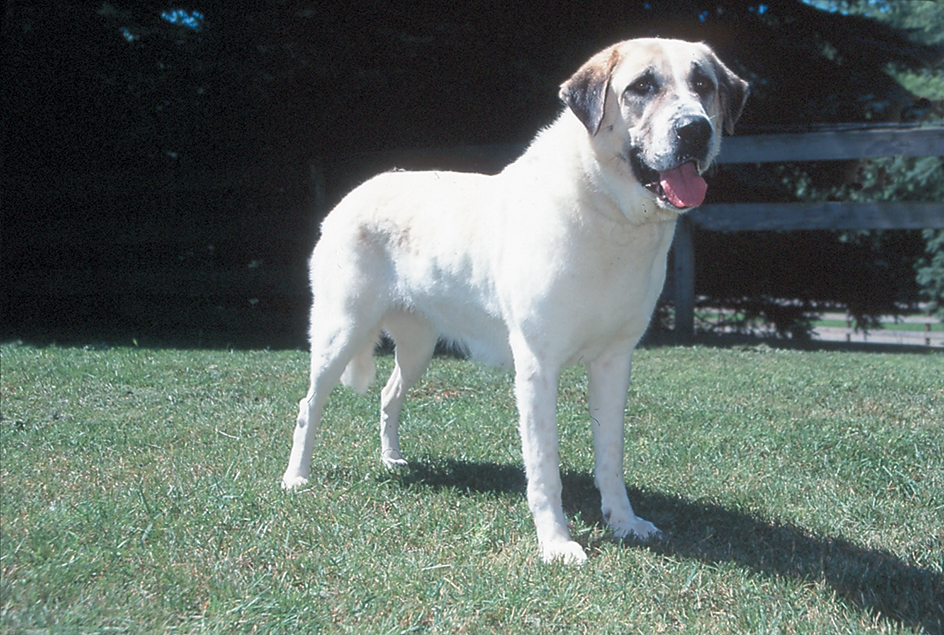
872,580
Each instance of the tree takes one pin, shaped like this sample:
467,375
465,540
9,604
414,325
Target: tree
885,59
137,140
931,271
897,178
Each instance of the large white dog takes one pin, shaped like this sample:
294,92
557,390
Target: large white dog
557,260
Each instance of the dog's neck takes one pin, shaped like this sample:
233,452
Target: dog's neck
607,186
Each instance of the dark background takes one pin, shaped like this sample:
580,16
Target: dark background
179,162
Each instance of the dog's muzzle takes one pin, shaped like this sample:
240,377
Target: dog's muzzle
678,185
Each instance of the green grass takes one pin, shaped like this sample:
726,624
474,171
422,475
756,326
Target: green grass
936,326
801,492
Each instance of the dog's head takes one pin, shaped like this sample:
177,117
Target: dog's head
658,107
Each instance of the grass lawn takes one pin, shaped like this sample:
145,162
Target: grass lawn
800,492
890,326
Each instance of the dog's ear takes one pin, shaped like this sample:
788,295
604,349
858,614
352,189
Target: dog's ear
585,92
733,92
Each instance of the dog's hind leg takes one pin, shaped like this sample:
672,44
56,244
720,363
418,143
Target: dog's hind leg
415,341
337,338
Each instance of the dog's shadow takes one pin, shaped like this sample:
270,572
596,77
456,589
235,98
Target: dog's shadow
872,580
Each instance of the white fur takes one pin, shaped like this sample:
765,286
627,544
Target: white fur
557,260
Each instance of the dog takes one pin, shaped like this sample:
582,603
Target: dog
557,260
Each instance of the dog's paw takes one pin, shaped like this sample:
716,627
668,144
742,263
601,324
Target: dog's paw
291,482
567,552
637,528
393,460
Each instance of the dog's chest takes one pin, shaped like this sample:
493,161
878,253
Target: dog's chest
600,290
616,269
636,271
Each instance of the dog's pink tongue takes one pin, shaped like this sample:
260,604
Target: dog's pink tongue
683,186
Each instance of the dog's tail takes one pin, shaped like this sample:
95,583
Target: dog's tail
361,370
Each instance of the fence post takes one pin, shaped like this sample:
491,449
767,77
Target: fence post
683,262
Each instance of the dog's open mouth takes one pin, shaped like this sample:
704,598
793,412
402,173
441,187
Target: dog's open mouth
681,187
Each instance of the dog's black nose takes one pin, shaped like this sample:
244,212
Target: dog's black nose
693,139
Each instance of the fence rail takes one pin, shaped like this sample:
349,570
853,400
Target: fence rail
818,215
833,145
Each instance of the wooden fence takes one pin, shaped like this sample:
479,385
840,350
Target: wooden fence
329,179
831,145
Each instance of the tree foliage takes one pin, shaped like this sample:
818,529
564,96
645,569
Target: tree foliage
931,271
867,273
179,136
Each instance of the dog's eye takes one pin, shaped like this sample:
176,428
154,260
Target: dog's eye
702,85
643,86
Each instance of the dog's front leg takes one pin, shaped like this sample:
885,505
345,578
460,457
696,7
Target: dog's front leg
609,385
536,395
